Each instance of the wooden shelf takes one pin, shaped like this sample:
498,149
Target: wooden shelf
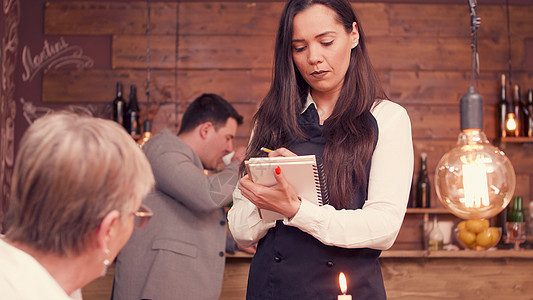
441,211
524,253
527,254
516,139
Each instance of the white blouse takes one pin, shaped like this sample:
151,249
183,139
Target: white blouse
24,278
377,224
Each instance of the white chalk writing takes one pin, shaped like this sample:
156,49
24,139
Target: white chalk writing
53,55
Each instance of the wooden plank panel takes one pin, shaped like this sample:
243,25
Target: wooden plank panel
232,51
374,17
443,121
521,156
429,20
261,18
454,20
452,278
434,53
90,86
224,17
97,18
439,87
234,85
521,21
227,52
446,87
262,79
129,51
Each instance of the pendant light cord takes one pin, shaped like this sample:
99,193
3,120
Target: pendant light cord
148,70
509,42
176,57
475,21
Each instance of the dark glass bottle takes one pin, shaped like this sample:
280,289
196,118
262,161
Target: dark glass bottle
423,188
503,106
119,106
516,223
529,110
518,111
132,116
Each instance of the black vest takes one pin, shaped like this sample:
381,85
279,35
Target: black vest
291,264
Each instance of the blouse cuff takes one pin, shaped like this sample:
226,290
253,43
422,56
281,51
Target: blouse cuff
308,218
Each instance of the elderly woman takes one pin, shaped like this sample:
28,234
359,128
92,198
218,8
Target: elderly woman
77,188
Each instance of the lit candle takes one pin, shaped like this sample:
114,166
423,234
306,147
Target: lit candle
343,285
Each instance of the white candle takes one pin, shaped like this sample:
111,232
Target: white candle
343,285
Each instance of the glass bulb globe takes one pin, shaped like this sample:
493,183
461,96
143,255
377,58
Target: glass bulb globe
475,180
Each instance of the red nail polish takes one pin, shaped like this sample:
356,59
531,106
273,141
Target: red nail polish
278,170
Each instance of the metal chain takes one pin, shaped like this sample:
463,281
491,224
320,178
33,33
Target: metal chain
148,70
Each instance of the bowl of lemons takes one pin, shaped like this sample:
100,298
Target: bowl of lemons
477,234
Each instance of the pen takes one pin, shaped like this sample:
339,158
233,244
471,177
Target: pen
266,150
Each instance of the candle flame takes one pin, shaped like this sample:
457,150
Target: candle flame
342,282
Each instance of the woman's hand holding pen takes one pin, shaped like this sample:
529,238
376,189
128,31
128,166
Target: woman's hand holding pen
280,197
278,152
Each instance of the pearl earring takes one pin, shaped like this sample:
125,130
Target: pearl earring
106,261
355,45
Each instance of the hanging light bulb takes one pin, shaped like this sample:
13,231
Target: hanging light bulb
474,180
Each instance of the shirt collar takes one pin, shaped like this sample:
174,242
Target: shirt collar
308,102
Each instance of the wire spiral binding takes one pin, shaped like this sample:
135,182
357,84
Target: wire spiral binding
321,182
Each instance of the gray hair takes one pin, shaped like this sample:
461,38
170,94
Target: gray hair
70,171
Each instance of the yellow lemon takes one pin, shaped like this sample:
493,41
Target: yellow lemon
467,237
494,234
477,226
461,225
484,238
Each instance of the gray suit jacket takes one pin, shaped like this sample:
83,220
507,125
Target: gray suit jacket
180,253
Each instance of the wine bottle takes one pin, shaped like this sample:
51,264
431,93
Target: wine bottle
518,111
132,115
529,110
503,106
119,106
423,187
436,238
516,223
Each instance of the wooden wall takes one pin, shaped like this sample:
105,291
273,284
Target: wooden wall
421,51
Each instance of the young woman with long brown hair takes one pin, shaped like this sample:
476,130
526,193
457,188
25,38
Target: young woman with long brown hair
326,100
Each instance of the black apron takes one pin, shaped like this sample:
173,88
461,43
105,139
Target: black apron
291,264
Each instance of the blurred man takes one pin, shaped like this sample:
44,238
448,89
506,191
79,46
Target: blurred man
180,254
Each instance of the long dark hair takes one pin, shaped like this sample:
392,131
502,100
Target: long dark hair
349,134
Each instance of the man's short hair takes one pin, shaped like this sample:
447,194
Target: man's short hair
208,108
70,172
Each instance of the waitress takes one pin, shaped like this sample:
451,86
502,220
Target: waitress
326,100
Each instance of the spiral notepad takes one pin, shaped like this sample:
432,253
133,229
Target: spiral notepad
304,173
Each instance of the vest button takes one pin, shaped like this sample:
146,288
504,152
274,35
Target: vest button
222,223
329,264
221,254
277,259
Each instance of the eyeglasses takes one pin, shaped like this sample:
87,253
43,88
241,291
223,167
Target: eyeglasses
142,216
